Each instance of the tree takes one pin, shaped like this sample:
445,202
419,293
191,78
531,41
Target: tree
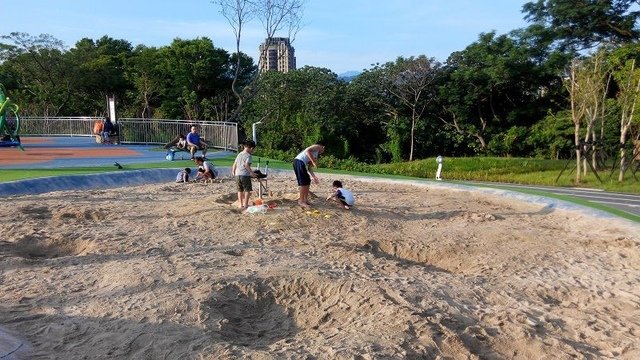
99,68
627,77
366,119
41,73
581,24
490,86
196,70
275,16
410,81
237,13
142,70
586,84
297,108
552,136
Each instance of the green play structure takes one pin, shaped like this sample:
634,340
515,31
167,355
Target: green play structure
9,130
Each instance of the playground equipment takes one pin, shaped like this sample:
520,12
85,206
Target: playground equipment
9,131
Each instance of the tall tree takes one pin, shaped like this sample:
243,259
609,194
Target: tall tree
490,86
196,70
275,16
580,24
297,108
627,77
238,13
410,82
41,73
143,71
586,84
100,71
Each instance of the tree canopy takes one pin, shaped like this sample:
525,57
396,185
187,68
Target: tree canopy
503,94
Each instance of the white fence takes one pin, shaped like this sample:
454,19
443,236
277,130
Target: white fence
221,135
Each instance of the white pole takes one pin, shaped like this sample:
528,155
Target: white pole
439,160
253,128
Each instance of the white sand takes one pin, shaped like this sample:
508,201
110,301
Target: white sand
417,273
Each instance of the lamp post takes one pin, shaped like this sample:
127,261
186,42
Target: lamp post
253,128
439,160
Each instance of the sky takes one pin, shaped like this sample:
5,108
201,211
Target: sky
341,35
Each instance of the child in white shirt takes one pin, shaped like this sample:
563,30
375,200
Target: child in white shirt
341,195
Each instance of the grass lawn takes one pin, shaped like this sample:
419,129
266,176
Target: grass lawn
499,170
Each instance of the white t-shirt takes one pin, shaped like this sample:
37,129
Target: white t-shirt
347,195
242,159
209,166
302,156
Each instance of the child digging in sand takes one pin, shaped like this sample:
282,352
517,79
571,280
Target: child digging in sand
183,175
206,170
342,196
241,169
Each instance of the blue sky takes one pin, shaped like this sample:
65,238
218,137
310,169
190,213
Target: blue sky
347,35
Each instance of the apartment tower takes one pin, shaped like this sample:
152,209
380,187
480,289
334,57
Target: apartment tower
278,55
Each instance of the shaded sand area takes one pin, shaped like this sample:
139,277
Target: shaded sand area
174,271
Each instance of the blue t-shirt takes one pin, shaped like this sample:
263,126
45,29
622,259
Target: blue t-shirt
193,138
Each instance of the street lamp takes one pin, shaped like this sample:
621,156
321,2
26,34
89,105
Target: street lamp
253,127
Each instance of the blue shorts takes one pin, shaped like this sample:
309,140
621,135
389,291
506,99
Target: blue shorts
302,175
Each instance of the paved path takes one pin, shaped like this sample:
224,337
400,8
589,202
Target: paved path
629,203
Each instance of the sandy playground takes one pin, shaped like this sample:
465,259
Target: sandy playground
409,273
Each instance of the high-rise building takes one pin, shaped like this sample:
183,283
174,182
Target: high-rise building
277,55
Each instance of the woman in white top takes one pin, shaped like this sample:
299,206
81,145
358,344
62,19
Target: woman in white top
302,167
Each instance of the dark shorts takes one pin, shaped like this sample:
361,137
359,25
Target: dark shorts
208,175
194,148
244,183
302,175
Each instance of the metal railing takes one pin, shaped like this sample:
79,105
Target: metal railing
221,135
57,126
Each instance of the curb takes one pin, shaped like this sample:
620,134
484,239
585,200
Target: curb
92,181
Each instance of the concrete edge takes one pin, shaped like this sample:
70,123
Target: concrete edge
92,181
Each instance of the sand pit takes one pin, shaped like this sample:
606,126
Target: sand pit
410,273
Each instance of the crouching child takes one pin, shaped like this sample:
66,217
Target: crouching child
183,175
341,195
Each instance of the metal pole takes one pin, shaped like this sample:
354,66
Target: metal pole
253,127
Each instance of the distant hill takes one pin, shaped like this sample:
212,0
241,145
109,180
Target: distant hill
349,75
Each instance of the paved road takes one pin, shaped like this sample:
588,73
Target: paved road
629,203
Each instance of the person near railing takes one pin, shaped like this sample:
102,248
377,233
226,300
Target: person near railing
195,143
98,126
107,130
179,143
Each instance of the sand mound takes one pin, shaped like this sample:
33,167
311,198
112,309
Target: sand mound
177,271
